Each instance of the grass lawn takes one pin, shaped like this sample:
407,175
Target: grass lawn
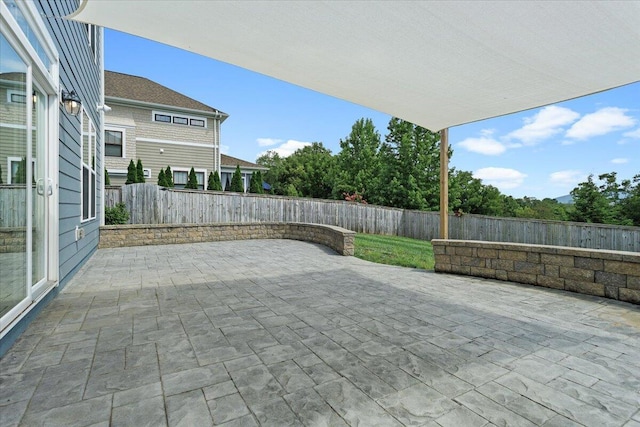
394,250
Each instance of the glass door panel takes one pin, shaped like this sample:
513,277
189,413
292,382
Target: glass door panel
13,178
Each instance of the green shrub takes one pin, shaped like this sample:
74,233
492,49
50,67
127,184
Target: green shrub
255,184
236,181
162,181
214,183
139,172
168,176
107,180
192,180
131,173
116,215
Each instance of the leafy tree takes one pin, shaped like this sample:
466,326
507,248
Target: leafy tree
409,167
590,204
213,183
310,171
236,181
168,176
357,163
274,162
107,180
162,180
139,172
465,192
255,184
192,180
630,204
131,173
550,209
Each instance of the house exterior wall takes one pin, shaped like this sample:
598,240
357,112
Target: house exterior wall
182,146
79,68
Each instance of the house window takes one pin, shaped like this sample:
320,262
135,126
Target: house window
162,118
178,119
88,176
17,97
181,176
17,168
92,35
114,143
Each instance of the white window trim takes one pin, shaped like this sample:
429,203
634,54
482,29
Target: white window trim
92,138
12,159
168,142
124,140
93,29
172,115
15,92
123,172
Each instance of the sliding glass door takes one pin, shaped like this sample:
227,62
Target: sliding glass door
28,106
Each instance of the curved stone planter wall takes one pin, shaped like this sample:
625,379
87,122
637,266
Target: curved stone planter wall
117,236
611,274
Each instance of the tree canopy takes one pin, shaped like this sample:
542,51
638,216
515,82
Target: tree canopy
403,171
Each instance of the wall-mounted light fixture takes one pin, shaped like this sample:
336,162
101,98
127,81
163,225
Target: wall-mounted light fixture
71,102
103,107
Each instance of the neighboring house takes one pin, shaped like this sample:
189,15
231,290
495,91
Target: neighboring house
229,165
50,161
162,127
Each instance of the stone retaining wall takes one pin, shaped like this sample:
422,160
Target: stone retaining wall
13,240
611,274
116,236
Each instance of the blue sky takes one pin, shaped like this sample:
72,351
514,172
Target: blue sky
539,153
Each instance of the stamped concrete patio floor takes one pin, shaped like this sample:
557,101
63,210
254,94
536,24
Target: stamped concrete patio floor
277,332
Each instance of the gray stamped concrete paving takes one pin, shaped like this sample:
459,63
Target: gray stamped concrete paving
278,333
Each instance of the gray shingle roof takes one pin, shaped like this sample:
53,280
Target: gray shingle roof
126,86
234,161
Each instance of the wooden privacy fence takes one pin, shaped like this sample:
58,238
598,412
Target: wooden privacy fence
150,204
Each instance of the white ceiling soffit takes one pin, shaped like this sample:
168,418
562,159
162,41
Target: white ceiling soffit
437,64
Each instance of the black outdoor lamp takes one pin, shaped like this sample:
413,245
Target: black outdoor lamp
71,102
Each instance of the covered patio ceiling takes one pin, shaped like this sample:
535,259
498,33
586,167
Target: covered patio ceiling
436,64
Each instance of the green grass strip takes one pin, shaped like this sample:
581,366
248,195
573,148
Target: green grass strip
393,250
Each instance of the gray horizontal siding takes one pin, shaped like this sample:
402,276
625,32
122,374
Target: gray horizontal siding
79,72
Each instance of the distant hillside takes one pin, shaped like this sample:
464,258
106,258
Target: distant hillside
567,200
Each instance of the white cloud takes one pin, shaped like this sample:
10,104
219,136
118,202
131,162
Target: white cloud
503,178
288,148
619,161
602,122
267,142
632,134
487,132
483,145
567,177
224,149
544,124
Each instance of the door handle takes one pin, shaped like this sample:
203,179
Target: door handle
40,186
49,187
